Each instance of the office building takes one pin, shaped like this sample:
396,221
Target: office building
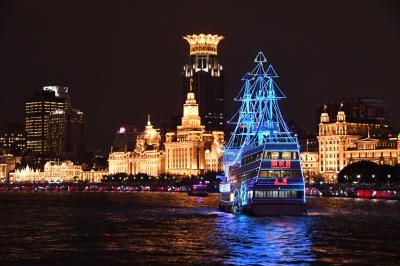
12,138
66,131
37,112
208,80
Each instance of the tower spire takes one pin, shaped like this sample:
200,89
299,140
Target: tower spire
191,85
148,120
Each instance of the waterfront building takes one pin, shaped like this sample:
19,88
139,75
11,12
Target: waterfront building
214,153
12,138
380,151
65,171
337,137
65,134
92,176
207,73
8,163
120,162
56,171
309,157
37,111
309,164
27,174
190,150
147,157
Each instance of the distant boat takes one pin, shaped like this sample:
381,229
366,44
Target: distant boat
198,191
263,174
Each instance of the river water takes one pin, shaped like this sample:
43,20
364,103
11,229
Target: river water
148,228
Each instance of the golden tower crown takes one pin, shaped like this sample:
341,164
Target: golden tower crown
203,43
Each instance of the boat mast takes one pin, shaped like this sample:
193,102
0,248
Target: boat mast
259,119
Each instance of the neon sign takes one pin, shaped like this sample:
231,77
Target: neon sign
280,164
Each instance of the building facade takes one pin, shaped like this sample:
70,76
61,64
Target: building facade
56,172
8,163
66,131
27,175
120,162
208,79
338,140
37,112
147,157
380,151
310,164
191,150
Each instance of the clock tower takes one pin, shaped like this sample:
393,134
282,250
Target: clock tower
191,119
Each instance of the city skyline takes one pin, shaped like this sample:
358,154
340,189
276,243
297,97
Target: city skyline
119,60
199,132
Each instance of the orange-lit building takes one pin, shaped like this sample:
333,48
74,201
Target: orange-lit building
342,143
147,158
204,69
191,150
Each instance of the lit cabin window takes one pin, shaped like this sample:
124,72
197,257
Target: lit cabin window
274,155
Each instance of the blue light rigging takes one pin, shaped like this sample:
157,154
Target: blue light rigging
259,119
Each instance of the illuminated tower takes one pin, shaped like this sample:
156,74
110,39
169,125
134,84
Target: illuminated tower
65,134
207,74
191,119
37,112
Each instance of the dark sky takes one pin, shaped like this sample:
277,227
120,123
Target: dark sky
123,59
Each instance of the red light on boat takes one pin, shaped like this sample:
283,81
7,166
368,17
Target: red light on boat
280,181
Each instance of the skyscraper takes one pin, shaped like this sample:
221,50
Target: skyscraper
65,135
37,112
208,81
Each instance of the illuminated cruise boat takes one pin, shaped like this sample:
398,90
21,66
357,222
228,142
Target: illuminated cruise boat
263,174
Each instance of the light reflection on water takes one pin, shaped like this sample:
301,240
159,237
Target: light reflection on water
267,240
172,228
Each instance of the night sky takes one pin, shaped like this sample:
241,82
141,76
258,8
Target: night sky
123,59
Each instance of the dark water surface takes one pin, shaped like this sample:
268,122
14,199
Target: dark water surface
50,228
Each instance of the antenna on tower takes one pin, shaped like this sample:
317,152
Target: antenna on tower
148,120
191,84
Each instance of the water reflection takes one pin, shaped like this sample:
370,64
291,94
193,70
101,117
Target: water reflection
268,240
172,228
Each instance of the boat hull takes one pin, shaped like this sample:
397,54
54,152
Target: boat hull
276,209
269,209
198,193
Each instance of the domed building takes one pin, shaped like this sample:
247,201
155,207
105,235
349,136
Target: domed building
147,158
149,139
